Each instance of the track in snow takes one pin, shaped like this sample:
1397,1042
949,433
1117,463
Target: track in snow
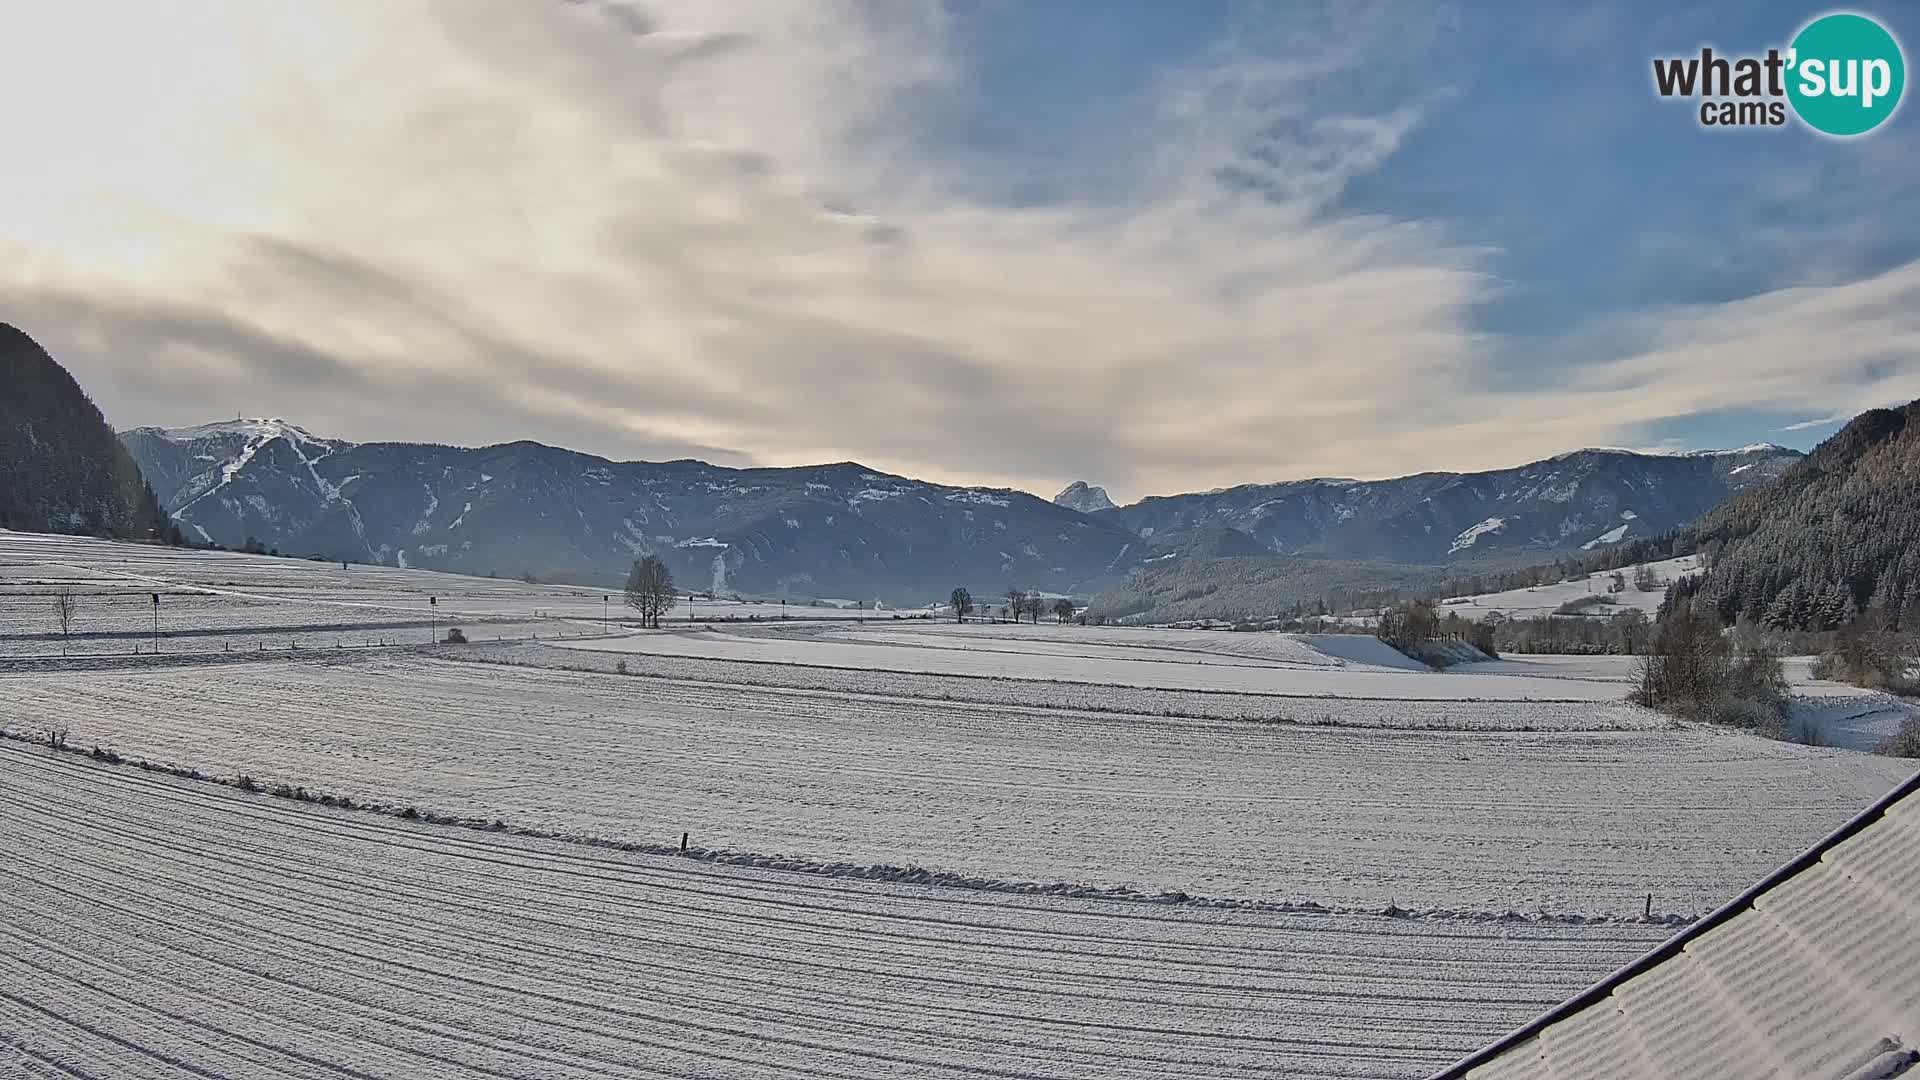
167,928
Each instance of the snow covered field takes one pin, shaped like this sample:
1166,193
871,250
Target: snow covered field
1824,713
1546,599
1275,793
217,601
1072,654
1572,822
159,927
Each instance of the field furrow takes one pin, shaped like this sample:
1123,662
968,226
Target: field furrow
172,927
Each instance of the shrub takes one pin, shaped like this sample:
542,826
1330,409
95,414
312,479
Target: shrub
1904,743
620,668
456,636
1876,659
1750,715
1581,603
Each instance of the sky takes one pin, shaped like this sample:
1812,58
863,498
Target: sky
1158,247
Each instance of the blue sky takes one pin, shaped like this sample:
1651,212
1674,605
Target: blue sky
1156,246
1544,142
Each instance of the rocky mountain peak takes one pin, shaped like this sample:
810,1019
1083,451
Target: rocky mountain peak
1079,496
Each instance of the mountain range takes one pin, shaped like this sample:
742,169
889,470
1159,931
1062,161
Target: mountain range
844,530
1580,500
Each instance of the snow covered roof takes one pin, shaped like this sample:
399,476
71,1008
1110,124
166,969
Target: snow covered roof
1813,974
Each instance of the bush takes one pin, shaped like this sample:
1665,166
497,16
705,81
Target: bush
456,636
1876,659
1580,604
1904,743
620,668
1750,715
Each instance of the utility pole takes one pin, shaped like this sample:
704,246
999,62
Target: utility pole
156,622
433,619
603,615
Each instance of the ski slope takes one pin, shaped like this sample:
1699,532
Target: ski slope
160,927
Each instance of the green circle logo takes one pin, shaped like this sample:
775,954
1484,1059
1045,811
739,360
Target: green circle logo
1845,74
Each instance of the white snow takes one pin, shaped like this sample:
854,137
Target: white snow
426,515
978,498
1543,599
919,848
253,430
1611,536
1473,533
158,924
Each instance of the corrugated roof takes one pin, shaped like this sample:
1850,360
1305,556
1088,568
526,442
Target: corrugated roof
1813,974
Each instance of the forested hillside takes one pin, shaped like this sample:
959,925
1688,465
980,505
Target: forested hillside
1835,537
61,467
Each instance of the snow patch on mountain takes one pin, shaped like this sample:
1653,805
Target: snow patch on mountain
979,498
1472,534
1611,536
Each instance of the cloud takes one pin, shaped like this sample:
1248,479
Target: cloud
732,231
1819,421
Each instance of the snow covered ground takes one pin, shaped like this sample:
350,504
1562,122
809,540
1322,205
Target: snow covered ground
1272,790
1579,822
1824,713
1294,667
1546,599
160,927
218,601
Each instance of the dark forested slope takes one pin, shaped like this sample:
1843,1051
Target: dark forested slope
62,469
1836,536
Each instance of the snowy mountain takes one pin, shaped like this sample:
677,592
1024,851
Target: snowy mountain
1087,500
1581,500
845,530
828,530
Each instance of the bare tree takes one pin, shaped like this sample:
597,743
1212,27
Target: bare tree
1644,579
1016,603
1409,625
650,590
1062,610
63,607
962,602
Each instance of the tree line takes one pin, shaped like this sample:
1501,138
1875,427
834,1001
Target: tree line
1020,604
